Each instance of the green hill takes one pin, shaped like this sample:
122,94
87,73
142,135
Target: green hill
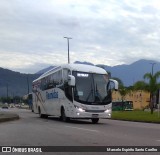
16,83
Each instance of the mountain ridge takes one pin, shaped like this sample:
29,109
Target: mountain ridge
15,83
129,74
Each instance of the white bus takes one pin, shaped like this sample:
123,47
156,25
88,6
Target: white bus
74,91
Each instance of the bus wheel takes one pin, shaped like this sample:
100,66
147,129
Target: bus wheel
40,114
32,109
95,120
63,116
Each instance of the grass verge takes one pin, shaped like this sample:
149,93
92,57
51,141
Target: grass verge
137,116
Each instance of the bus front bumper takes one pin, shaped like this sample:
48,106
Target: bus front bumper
83,114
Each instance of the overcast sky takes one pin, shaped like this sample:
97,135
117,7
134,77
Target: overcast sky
110,32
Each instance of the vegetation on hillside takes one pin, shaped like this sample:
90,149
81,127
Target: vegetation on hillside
14,83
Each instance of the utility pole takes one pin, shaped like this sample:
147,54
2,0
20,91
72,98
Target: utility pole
68,47
153,63
152,96
7,91
7,100
28,83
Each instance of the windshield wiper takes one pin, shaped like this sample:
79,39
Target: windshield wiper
90,93
97,95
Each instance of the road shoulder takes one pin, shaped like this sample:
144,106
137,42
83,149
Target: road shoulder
5,116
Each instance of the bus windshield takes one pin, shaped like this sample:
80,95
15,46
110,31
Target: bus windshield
92,88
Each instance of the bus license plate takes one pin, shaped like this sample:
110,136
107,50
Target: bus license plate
94,115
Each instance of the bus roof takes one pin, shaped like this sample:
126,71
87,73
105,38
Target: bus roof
85,68
75,67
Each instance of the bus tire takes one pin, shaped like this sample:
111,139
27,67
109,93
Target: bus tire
32,109
95,120
63,116
40,114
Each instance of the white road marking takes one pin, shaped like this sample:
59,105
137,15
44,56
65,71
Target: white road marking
82,129
158,140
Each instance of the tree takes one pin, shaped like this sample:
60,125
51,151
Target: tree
151,86
140,85
122,90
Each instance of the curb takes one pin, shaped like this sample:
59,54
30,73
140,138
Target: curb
8,117
139,121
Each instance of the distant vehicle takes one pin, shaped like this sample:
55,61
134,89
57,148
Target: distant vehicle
17,105
30,102
119,105
4,107
11,106
74,91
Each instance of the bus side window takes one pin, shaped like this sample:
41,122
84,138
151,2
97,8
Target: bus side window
59,76
49,82
52,81
43,85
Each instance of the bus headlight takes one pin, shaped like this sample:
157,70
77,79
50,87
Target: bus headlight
81,110
107,110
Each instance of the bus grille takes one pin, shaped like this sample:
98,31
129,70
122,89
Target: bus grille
95,111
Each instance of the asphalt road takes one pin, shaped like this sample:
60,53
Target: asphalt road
30,130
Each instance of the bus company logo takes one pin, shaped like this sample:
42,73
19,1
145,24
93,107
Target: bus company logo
52,95
6,149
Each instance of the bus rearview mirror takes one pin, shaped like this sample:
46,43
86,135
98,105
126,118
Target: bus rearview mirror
115,84
71,80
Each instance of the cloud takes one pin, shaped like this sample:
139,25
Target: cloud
110,32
